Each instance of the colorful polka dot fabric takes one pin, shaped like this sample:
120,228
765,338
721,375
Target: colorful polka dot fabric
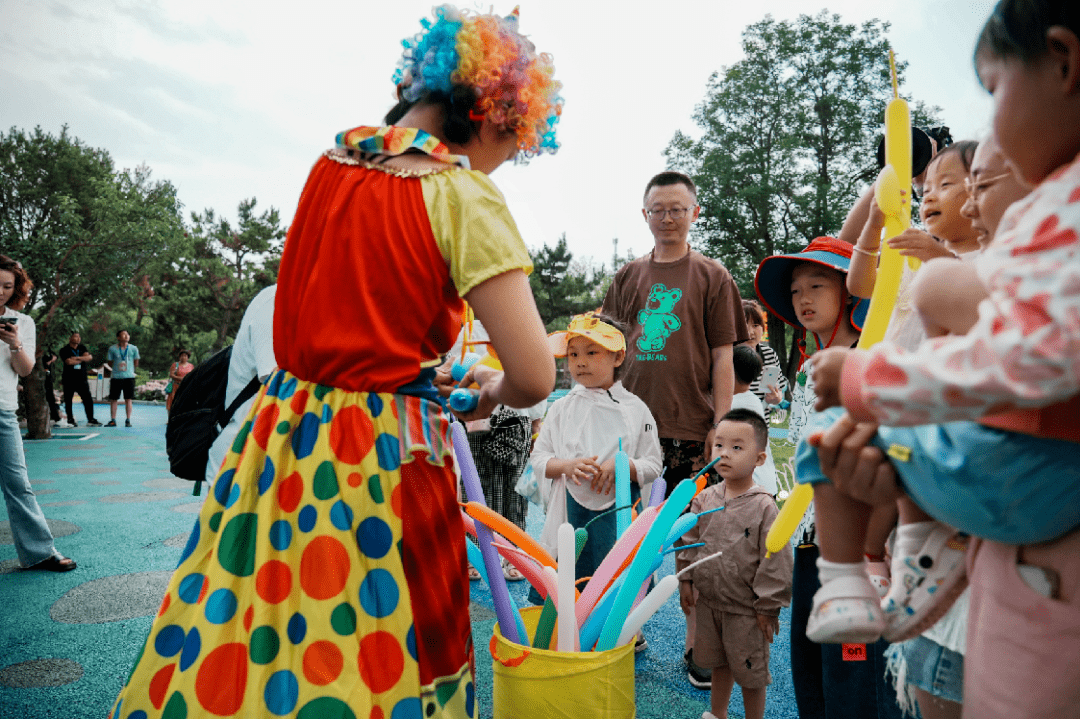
324,578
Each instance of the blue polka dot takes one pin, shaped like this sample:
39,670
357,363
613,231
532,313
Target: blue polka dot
341,515
275,384
374,537
297,628
470,699
137,714
388,449
192,647
379,593
281,535
307,517
410,642
409,708
266,479
169,641
375,404
303,439
190,588
192,542
327,414
282,692
287,388
221,606
233,496
223,486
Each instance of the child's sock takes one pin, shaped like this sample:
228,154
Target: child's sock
911,537
828,571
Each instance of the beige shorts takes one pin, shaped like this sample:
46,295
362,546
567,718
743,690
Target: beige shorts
723,639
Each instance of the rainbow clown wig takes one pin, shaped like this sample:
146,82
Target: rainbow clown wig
479,66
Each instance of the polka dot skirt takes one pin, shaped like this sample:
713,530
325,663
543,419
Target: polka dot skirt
325,576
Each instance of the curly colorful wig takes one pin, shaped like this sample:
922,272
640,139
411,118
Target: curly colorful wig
513,85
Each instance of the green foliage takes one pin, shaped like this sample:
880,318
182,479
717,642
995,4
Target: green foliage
563,288
788,138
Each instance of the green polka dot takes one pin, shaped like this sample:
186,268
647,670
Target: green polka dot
343,619
176,708
445,691
325,707
325,484
374,485
321,391
282,428
236,552
241,437
214,522
264,645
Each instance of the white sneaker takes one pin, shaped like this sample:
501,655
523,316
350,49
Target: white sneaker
847,610
925,585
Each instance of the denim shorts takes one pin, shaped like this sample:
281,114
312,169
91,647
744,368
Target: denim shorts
935,669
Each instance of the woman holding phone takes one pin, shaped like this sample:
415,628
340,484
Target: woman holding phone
18,338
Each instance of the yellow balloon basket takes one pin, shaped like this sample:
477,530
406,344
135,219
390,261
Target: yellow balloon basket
542,684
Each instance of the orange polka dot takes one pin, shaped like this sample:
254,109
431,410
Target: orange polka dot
159,685
165,602
381,661
249,617
299,401
273,581
322,663
377,713
395,499
351,434
355,479
222,679
290,492
202,592
324,568
265,424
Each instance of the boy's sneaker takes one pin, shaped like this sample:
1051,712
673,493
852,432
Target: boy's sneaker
640,644
90,423
111,423
699,678
708,715
127,422
847,610
925,585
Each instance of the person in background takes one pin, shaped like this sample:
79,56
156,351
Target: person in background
771,395
123,361
177,371
748,365
76,360
48,360
18,337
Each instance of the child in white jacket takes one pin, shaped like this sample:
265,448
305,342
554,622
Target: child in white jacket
580,436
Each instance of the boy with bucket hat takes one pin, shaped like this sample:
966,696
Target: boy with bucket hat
807,290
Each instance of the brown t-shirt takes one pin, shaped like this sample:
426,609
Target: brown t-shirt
677,312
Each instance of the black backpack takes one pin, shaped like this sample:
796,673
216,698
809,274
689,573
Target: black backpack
198,415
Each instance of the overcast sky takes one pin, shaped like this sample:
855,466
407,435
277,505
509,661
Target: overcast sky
232,99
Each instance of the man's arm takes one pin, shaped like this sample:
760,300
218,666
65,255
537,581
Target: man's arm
723,380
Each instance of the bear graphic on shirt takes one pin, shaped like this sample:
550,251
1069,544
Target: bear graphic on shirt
657,319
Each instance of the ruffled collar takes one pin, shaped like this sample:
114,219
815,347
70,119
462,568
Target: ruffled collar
393,140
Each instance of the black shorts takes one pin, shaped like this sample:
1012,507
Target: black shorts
125,386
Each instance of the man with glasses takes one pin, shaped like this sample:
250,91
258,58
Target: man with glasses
685,315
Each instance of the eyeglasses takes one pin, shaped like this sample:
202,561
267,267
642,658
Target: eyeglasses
677,214
976,189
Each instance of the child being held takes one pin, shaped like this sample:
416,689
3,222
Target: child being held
582,431
748,366
740,593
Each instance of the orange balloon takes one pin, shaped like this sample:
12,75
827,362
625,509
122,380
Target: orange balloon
498,523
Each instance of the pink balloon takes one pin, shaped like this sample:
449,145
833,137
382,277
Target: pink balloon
614,559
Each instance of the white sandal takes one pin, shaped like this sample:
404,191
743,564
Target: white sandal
928,584
847,610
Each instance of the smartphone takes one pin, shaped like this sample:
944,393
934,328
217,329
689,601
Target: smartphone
770,377
8,320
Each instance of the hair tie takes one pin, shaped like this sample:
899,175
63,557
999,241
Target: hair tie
476,116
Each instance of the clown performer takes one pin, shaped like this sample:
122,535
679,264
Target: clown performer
326,576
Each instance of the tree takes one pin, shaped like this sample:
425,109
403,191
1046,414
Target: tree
788,138
562,288
81,230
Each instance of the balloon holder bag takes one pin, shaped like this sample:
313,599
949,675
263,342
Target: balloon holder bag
543,684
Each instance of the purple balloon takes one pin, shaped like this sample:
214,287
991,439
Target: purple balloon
500,593
659,488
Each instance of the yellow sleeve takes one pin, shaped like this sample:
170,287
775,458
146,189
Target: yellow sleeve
473,227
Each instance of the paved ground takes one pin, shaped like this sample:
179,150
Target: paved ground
67,641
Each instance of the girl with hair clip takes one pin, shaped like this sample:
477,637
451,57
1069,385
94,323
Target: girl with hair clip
326,576
773,394
18,338
1003,466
